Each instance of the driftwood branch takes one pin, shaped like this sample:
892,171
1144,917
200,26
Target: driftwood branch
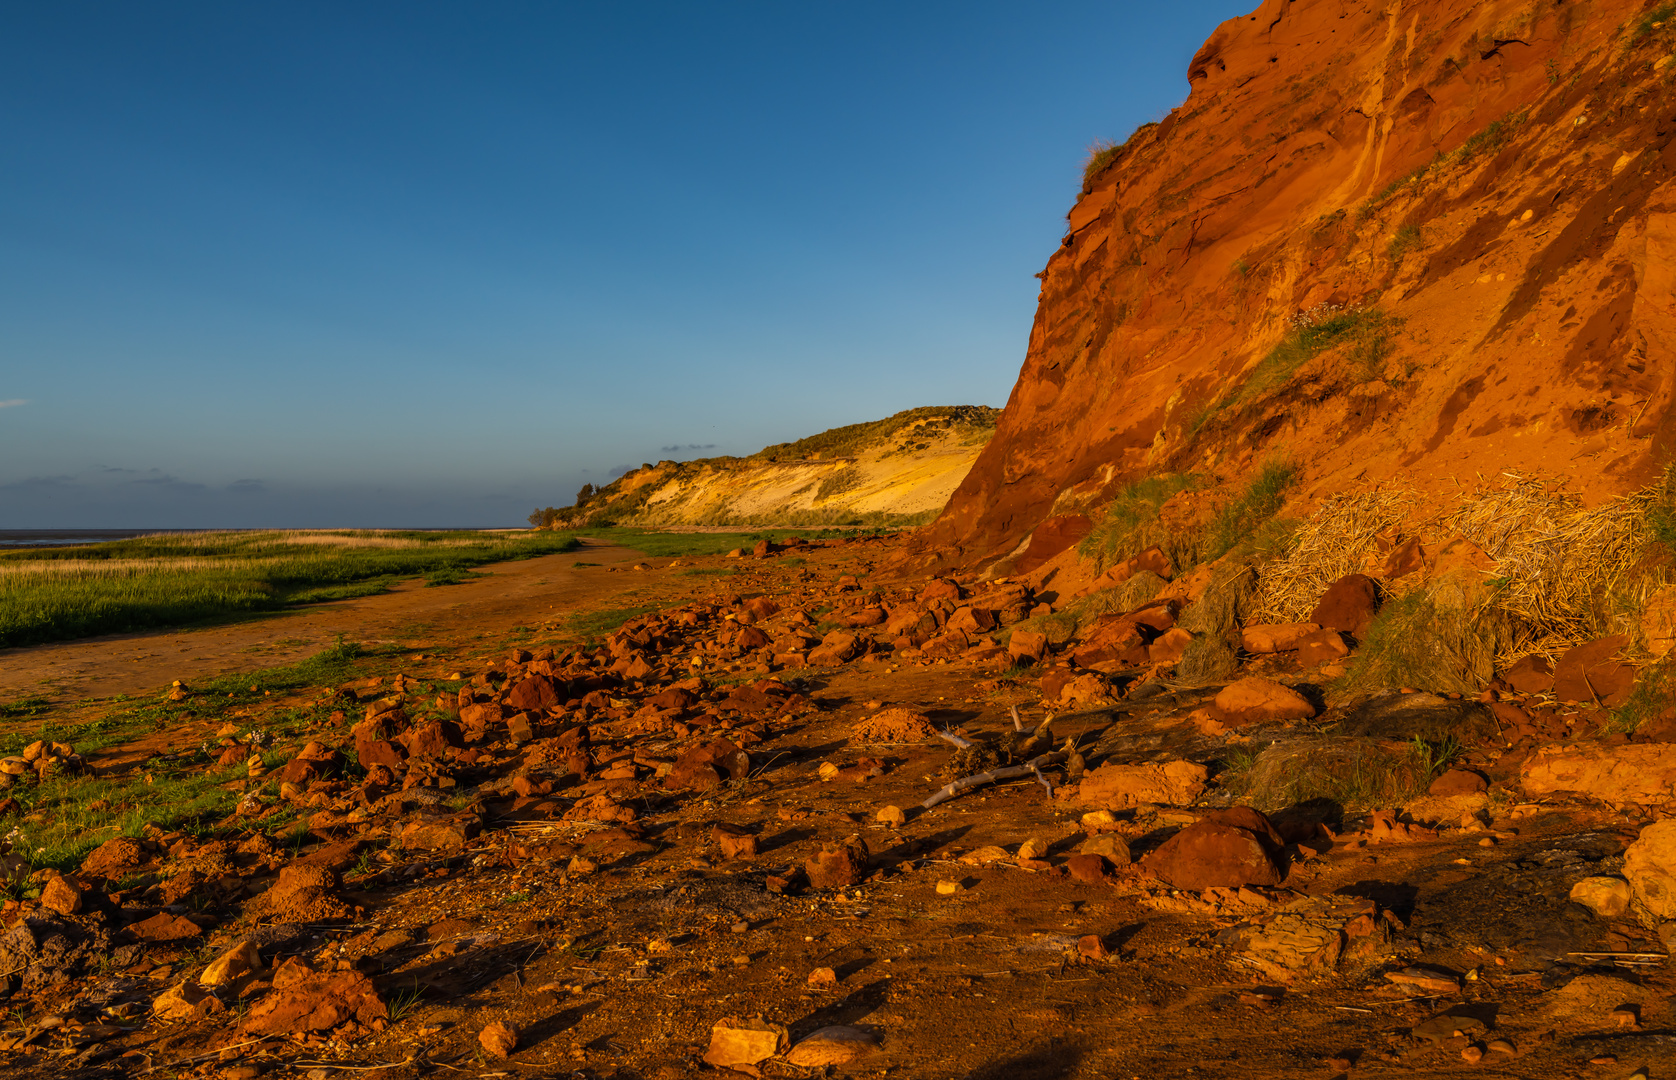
1018,725
1032,767
964,744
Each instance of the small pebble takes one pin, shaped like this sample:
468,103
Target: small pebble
947,888
741,927
1500,1046
1488,841
1604,1059
1472,1055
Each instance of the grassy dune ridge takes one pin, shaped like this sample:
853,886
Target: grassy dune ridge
175,579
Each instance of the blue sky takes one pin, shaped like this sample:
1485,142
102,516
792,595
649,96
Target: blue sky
406,264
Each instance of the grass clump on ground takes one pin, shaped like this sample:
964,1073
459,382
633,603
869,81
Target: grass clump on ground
1365,333
1355,774
1249,518
181,786
1129,523
178,579
1407,237
1653,20
1417,641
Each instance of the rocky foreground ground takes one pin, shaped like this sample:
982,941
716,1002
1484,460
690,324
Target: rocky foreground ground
723,837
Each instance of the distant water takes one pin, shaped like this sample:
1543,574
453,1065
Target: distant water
16,538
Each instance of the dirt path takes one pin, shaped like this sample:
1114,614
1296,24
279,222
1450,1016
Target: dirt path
510,594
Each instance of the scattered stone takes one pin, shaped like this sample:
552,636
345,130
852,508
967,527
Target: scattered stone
1635,772
892,816
1592,672
1472,1055
837,1045
1349,604
837,866
1230,848
734,841
1607,897
1089,869
1254,700
948,888
1267,638
317,1003
498,1040
62,895
1499,1046
735,1043
185,1002
1421,981
822,978
1110,846
1090,947
240,960
1458,782
1120,787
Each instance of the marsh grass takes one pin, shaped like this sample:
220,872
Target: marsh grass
662,545
64,817
180,579
592,625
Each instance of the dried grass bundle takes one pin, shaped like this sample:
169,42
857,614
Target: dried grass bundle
1565,573
1336,540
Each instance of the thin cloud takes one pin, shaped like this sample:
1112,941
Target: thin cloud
12,403
689,446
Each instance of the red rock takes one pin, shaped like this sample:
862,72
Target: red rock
164,927
534,693
1252,700
115,859
735,842
1530,675
1088,868
1090,947
1213,854
432,741
751,639
1027,646
837,647
480,716
62,895
498,1040
674,698
941,589
317,1003
707,766
1349,604
1321,647
1592,673
1054,681
837,866
762,607
864,618
1458,782
1051,537
439,834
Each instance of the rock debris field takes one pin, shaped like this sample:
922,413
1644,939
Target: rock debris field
824,821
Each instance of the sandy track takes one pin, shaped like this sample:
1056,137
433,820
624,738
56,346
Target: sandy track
511,594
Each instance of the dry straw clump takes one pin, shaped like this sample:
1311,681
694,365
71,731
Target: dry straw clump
1338,539
1565,573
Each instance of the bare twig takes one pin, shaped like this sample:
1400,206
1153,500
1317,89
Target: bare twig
1018,725
964,744
1009,772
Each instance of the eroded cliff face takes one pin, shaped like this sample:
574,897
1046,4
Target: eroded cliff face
1493,179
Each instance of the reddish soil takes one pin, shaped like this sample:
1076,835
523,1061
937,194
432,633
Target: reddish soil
1533,281
614,947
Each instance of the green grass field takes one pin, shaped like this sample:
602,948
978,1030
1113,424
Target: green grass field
181,579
